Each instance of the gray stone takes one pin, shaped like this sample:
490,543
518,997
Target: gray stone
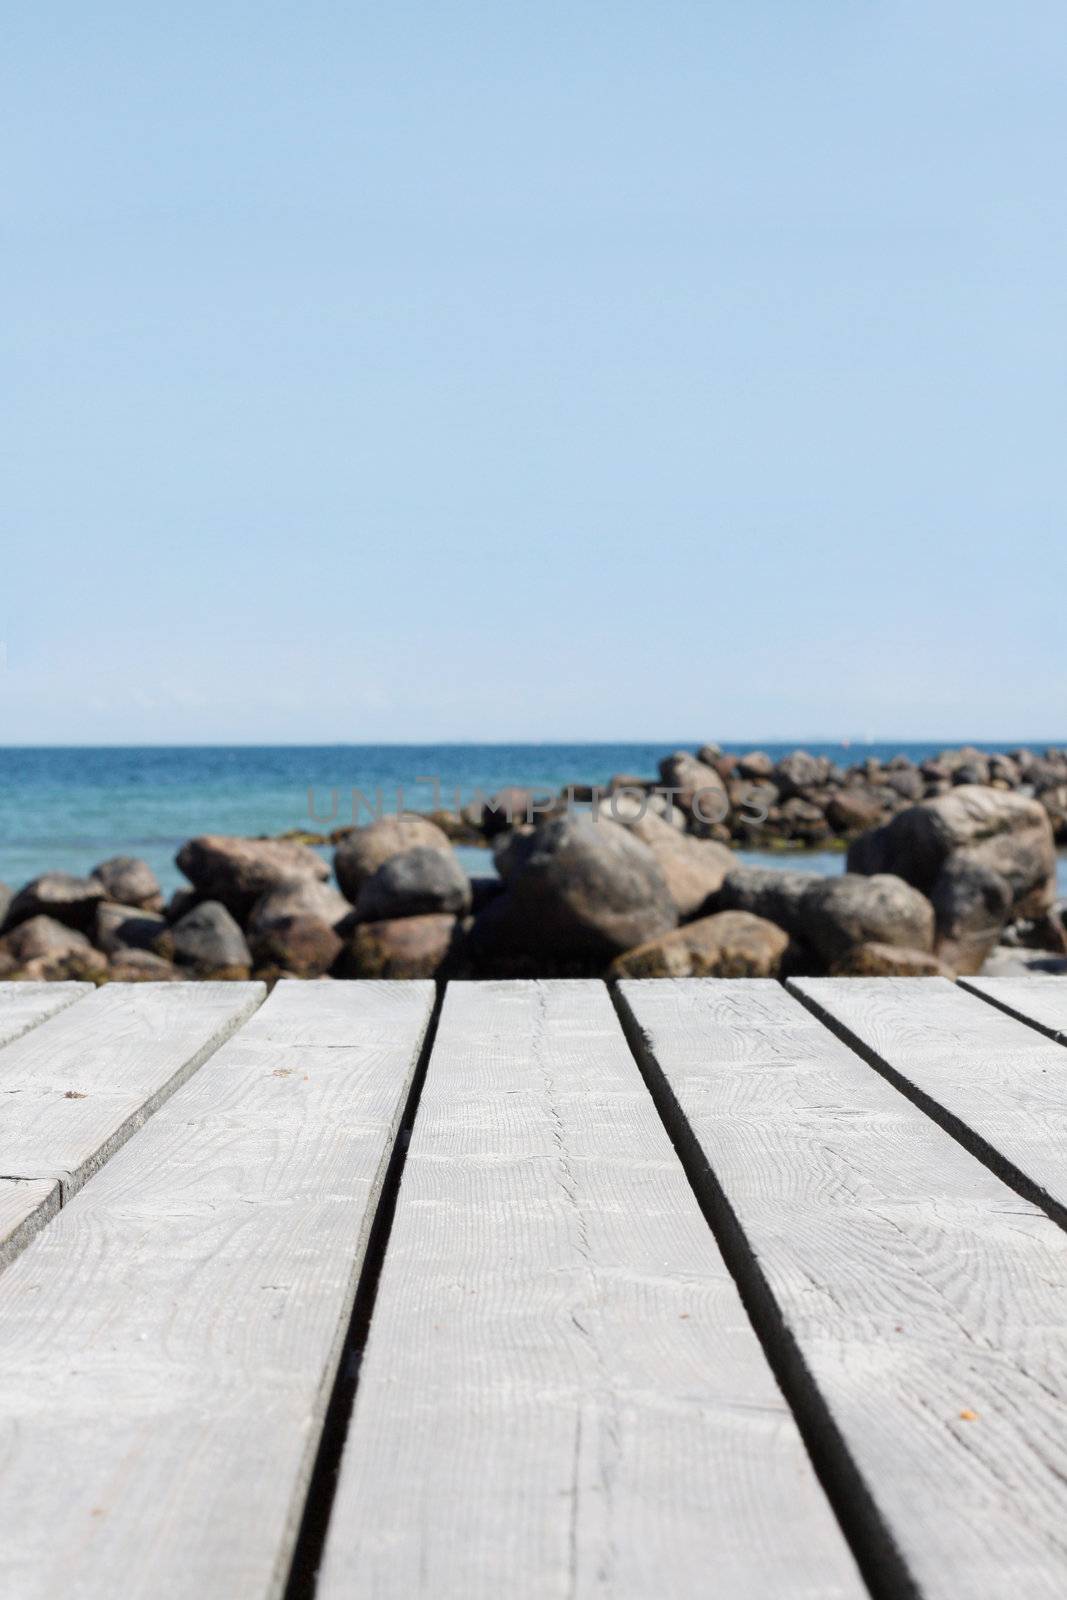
129,881
419,882
208,941
141,966
837,913
582,893
43,936
126,928
361,852
768,893
971,903
730,944
403,947
300,897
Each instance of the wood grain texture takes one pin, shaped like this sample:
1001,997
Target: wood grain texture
562,1395
1040,1000
168,1343
923,1300
996,1084
25,1206
24,1005
75,1088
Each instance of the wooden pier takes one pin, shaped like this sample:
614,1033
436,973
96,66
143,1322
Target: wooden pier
535,1290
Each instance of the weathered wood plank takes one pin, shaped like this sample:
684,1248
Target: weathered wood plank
168,1343
994,1083
562,1394
917,1303
25,1206
75,1088
24,1005
1040,1000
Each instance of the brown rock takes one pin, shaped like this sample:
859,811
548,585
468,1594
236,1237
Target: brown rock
301,897
854,809
404,947
419,882
236,872
701,792
730,944
874,960
302,946
363,851
79,966
694,868
208,941
43,938
837,913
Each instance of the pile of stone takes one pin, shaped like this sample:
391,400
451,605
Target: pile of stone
631,884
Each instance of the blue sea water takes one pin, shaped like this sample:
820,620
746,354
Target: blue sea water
68,809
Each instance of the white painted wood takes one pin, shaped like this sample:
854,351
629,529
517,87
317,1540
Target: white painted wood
25,1206
562,1395
24,1005
168,1343
75,1088
1040,1000
927,1301
1001,1086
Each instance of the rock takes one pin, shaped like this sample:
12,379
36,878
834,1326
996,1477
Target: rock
802,819
837,913
419,882
39,937
730,944
141,966
483,890
1054,803
130,882
756,765
300,945
905,781
1004,831
582,892
767,893
511,849
799,772
404,947
6,897
181,901
236,872
362,851
78,966
693,868
708,754
72,901
508,808
853,810
300,897
873,960
624,780
126,928
455,827
701,793
207,940
971,904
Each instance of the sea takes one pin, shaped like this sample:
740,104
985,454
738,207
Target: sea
66,809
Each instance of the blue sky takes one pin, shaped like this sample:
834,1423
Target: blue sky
499,371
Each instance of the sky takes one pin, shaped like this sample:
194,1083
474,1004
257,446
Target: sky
497,371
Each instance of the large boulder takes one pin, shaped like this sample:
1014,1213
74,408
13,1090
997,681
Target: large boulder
415,883
694,868
362,851
299,897
837,913
126,928
208,941
1007,832
507,808
853,810
129,881
72,901
798,773
6,897
971,904
582,892
766,892
730,944
402,947
236,872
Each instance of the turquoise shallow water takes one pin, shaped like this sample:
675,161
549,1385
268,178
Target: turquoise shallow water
67,809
